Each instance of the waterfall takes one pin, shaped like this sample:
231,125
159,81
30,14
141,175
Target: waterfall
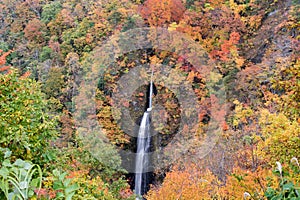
143,146
151,92
142,160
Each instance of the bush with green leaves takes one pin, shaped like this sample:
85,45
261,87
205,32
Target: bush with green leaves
50,11
26,128
95,180
66,189
289,185
19,180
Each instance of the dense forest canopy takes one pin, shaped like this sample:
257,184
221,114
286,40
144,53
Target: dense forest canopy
230,67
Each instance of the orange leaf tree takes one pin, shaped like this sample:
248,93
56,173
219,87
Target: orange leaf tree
159,12
188,183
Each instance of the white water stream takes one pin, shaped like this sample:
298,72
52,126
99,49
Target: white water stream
143,147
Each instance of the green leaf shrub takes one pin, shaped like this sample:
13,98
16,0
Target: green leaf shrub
25,126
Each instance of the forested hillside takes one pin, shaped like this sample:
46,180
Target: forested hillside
58,56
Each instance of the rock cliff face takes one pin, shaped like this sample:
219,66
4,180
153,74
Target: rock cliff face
274,43
270,34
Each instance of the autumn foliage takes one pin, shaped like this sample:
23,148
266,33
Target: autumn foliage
187,183
33,31
3,61
252,51
158,13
